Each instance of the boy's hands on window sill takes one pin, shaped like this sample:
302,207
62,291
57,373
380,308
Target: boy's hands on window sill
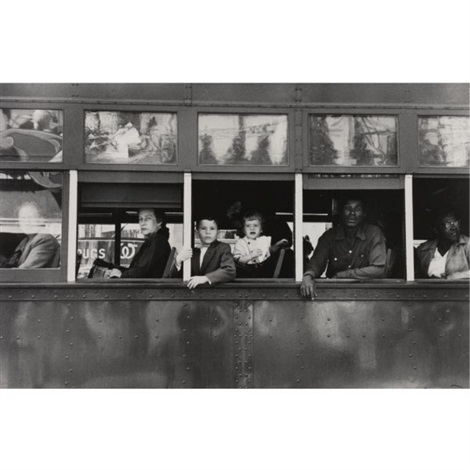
195,281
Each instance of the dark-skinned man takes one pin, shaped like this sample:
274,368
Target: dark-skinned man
351,250
448,255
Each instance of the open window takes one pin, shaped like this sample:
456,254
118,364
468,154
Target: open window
229,200
383,201
434,197
108,221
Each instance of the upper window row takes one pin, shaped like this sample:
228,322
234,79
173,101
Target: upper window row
353,140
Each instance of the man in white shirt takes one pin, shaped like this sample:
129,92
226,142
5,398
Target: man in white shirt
448,255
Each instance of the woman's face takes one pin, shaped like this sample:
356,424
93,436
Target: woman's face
148,222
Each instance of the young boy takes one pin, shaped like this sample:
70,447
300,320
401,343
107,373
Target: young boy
212,263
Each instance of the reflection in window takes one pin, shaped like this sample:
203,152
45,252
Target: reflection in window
353,140
237,139
31,135
30,219
125,137
98,241
444,141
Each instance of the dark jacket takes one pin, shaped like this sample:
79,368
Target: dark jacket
41,250
151,259
217,264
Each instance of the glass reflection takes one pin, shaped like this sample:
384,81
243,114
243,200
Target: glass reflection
30,220
353,140
126,137
31,135
444,141
237,139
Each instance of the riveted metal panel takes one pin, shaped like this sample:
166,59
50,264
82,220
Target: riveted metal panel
361,344
283,290
387,93
146,335
116,344
35,345
274,94
243,344
246,93
135,92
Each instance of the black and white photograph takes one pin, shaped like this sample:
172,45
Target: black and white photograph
31,135
236,271
119,137
242,139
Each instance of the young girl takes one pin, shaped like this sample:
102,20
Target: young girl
252,252
253,248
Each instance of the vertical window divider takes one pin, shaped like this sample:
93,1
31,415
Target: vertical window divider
72,225
409,237
187,221
298,227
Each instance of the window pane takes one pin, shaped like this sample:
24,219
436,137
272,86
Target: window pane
30,219
444,141
238,139
94,241
353,140
124,137
97,241
31,135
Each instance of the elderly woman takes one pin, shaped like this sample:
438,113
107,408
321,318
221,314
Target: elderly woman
448,255
150,260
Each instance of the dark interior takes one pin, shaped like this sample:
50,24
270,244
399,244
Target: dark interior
434,194
216,197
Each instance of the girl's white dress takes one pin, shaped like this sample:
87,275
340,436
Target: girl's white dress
244,246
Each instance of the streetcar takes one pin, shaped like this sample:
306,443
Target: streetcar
89,156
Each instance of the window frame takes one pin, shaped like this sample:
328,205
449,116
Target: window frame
188,169
415,165
351,111
78,139
65,108
194,166
44,275
398,182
